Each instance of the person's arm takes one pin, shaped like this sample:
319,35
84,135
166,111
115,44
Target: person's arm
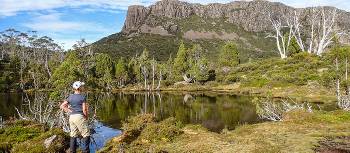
64,107
85,109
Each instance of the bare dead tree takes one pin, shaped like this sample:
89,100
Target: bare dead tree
321,30
338,80
274,111
153,72
346,77
40,109
343,100
1,122
23,56
297,31
159,80
144,72
282,38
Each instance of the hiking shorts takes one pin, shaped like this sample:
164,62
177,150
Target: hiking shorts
78,125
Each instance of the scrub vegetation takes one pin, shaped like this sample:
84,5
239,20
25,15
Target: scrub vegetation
300,131
27,136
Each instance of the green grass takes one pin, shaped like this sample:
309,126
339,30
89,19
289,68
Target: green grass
302,69
26,136
143,130
299,132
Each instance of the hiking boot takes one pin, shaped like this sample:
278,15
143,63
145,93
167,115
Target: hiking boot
73,144
85,144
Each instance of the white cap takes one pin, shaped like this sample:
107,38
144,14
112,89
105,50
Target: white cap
78,84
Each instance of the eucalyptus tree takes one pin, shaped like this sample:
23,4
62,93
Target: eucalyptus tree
104,71
69,71
168,69
199,69
85,52
11,40
279,27
313,35
181,63
322,29
134,72
23,55
121,72
228,57
144,64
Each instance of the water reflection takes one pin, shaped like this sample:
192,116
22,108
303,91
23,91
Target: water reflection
213,111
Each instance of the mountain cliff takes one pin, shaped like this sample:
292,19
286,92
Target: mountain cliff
169,21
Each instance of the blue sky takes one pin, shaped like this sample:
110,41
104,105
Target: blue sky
67,21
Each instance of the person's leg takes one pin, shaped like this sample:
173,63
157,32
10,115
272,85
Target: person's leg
73,134
86,144
83,127
73,144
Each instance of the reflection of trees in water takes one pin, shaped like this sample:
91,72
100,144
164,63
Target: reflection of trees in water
38,108
8,101
214,112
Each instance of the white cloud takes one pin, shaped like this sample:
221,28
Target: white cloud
342,4
52,22
11,7
66,32
68,43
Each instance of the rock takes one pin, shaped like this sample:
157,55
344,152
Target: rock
173,29
135,17
187,97
49,141
252,16
154,30
321,70
172,9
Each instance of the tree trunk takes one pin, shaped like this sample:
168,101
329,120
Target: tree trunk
187,79
153,75
338,81
47,64
145,78
160,79
346,77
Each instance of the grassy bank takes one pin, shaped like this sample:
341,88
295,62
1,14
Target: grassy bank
26,136
303,77
309,93
299,132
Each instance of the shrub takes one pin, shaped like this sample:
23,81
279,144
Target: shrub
165,130
28,136
232,78
134,125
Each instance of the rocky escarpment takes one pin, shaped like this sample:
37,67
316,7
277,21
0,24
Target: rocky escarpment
252,16
162,26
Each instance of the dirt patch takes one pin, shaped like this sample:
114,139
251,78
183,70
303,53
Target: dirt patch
334,145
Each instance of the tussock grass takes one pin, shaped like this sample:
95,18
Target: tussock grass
299,132
27,136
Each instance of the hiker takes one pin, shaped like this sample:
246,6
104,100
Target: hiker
77,108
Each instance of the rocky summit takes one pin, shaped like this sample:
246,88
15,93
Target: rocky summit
161,26
250,15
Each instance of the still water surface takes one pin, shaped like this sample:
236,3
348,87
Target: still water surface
214,111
